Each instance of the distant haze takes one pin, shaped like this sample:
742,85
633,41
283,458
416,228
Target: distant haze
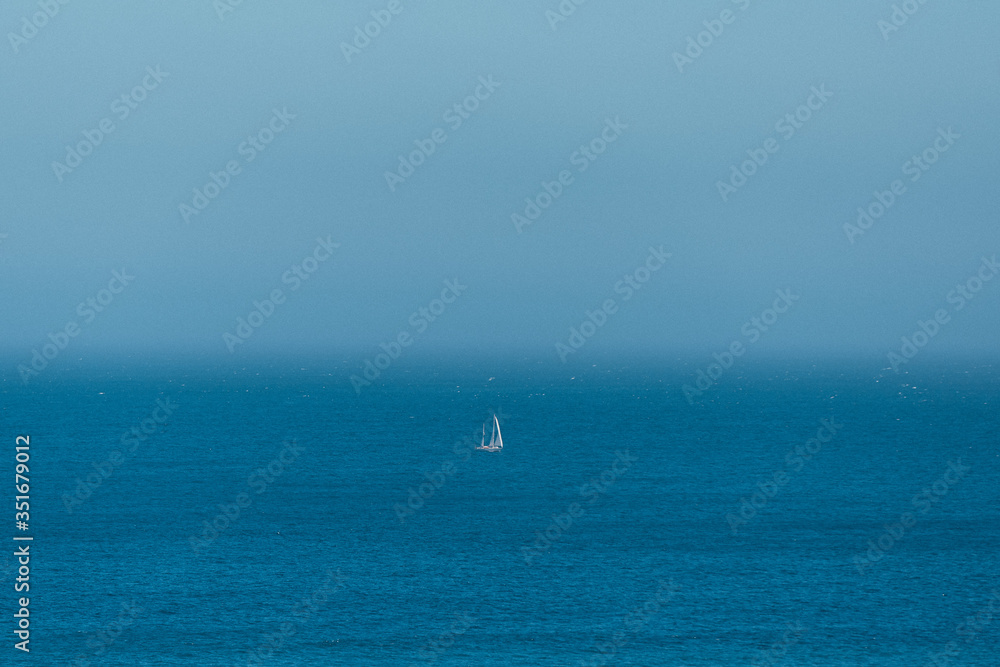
262,110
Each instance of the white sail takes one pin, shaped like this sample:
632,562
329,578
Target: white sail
496,441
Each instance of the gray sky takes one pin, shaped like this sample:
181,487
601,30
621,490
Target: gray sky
655,185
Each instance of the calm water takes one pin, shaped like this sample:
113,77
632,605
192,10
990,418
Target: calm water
644,567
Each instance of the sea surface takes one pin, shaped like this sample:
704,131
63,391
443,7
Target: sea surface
620,525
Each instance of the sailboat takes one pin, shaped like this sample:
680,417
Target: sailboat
496,440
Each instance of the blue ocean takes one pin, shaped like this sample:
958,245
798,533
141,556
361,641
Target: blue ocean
794,514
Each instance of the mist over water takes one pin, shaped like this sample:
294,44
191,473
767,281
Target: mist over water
302,136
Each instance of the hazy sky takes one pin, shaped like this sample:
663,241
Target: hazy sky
676,134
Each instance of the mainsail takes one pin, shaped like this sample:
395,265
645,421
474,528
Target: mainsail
499,441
